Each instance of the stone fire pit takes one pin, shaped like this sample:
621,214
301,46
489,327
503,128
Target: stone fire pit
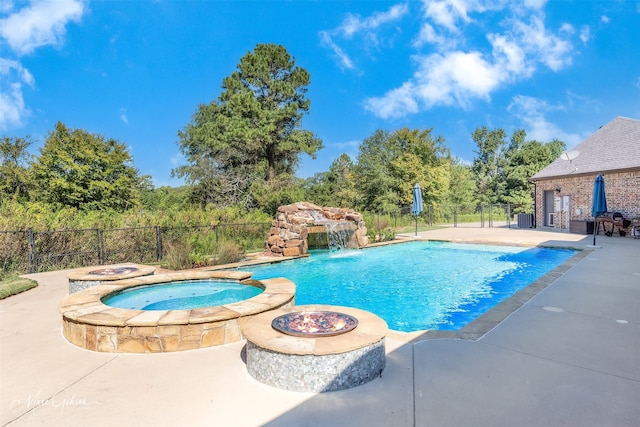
87,277
315,348
314,323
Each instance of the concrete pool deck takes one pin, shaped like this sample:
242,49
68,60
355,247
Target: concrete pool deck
568,356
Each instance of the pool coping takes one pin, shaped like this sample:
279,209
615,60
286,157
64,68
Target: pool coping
93,325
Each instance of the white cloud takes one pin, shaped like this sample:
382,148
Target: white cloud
6,6
549,49
395,103
429,35
456,77
12,106
353,24
447,12
366,28
604,19
458,74
37,24
531,111
510,57
41,23
123,115
343,59
535,4
585,34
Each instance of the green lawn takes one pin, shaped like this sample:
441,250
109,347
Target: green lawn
14,285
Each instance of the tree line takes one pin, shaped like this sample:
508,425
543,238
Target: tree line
243,150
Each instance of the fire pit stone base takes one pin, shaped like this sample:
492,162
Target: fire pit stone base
88,277
315,364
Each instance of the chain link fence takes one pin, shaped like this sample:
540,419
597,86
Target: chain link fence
28,251
479,216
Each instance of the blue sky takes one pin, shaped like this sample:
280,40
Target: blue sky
137,70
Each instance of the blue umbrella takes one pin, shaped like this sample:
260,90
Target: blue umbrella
416,207
598,204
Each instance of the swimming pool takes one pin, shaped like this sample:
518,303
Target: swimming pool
417,285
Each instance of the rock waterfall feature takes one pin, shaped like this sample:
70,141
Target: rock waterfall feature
289,234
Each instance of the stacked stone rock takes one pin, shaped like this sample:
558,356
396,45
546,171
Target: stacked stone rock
290,230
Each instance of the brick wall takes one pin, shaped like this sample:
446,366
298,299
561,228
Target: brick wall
622,189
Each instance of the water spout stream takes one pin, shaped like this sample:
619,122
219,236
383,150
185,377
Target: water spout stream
339,236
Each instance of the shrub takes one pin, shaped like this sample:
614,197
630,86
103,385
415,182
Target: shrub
177,255
229,252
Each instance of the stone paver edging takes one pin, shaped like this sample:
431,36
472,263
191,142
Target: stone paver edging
90,324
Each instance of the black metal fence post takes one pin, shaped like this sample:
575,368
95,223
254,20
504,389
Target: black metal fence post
216,232
490,216
100,244
31,244
158,243
455,216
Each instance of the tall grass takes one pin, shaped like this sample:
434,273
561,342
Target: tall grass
43,217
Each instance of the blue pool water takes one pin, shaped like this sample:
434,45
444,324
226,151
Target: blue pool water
182,295
418,285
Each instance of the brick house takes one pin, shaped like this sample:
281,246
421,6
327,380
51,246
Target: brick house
564,189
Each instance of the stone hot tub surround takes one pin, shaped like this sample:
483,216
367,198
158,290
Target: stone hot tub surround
84,278
92,325
315,363
290,230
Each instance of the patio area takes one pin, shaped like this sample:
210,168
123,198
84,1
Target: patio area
570,355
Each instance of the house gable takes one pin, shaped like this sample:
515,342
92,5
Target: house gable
614,147
564,189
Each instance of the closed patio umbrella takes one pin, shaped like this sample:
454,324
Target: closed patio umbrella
416,206
598,204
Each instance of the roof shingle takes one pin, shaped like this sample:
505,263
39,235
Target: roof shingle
615,146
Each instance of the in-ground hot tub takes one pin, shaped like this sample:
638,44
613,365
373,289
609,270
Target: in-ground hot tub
93,325
315,348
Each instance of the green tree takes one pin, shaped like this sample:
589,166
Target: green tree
525,159
341,177
462,186
317,189
165,198
282,190
487,166
15,176
373,180
335,187
86,171
502,170
252,131
389,164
